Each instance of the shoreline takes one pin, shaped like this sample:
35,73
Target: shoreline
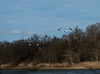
81,65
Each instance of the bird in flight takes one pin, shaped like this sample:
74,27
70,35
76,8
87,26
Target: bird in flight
59,29
76,27
46,35
70,28
22,39
66,31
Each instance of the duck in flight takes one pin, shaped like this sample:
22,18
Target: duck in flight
22,39
46,35
70,28
76,27
66,31
59,29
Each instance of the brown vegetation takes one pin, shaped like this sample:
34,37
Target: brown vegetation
81,65
74,49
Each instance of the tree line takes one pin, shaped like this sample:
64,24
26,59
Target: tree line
76,46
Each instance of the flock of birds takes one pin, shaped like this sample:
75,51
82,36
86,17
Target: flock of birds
29,41
66,31
59,29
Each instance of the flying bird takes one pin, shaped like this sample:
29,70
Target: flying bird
76,27
64,35
37,44
66,31
22,39
59,29
29,44
70,28
40,48
46,35
29,39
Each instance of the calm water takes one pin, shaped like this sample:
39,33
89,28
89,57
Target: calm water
51,71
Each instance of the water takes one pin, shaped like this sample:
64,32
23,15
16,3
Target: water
50,71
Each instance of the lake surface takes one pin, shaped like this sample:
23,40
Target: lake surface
50,71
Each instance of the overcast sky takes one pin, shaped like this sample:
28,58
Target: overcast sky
23,18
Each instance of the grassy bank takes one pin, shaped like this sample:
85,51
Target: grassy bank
81,65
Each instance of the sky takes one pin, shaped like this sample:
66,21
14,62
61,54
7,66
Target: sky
23,18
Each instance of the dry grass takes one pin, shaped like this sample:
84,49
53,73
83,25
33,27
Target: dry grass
52,66
82,65
87,65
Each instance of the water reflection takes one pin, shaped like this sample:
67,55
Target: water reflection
52,71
